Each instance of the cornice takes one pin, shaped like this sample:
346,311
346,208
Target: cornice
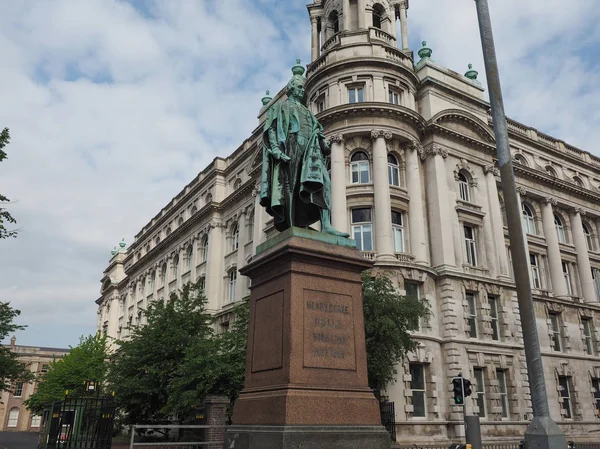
375,109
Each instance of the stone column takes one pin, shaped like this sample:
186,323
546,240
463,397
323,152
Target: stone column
362,6
339,209
554,259
495,217
438,207
346,15
215,266
240,288
522,192
416,214
403,5
583,257
314,38
392,17
259,223
383,208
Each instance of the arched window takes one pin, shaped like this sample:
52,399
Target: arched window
577,180
235,237
157,241
528,219
163,275
520,159
359,165
209,198
194,210
175,268
463,187
13,417
393,170
232,282
180,221
168,231
189,256
551,171
202,283
237,184
334,22
147,249
204,248
560,228
589,239
378,15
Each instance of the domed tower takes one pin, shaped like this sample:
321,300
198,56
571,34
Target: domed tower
362,88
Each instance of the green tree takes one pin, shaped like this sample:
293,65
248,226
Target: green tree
5,216
389,320
147,363
216,366
11,369
86,361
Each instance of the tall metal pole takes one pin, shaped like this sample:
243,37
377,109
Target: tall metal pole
542,433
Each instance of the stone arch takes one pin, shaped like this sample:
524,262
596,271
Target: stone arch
465,123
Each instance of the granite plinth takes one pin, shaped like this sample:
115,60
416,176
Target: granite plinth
307,437
306,369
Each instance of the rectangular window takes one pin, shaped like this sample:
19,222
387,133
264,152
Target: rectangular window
588,335
596,389
463,188
472,315
355,95
18,390
412,289
470,245
394,97
480,390
44,368
417,385
555,332
502,390
202,283
565,269
565,396
13,417
536,279
398,231
596,278
320,104
493,301
362,230
360,171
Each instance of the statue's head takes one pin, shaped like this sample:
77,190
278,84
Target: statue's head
295,87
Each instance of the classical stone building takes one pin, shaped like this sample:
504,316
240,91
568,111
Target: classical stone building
415,183
13,414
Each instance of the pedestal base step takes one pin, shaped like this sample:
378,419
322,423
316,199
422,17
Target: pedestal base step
307,437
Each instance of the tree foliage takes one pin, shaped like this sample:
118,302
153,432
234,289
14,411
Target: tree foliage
87,361
11,369
389,320
5,216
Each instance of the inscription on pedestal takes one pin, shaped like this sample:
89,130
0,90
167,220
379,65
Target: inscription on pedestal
328,331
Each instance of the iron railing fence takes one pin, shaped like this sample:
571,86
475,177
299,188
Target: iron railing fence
173,436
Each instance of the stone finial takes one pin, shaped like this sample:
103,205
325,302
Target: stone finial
114,251
425,51
472,74
298,69
266,99
122,244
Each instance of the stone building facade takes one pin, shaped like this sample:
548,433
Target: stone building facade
14,417
415,182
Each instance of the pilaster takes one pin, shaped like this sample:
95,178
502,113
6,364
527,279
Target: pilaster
416,214
339,212
583,257
215,266
346,15
383,207
554,259
438,207
314,21
495,220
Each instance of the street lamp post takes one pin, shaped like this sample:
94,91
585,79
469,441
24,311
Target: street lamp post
542,432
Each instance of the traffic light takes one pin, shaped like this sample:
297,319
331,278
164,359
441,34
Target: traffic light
467,387
457,389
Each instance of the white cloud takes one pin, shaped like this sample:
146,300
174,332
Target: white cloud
113,110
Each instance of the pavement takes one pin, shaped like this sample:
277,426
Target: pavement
19,440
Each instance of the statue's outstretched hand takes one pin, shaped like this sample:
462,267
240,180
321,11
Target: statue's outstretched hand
278,155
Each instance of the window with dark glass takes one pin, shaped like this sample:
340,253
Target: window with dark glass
359,167
480,390
556,332
588,335
470,245
362,230
565,395
355,95
393,170
417,385
472,315
503,391
495,323
398,231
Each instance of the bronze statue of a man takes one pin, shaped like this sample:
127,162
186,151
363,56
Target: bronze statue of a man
295,186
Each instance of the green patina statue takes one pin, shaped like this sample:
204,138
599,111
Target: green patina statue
295,187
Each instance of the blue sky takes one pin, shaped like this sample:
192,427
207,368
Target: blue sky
114,106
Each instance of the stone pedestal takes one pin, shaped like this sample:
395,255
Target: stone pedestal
306,371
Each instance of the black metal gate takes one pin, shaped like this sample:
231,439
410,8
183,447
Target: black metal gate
388,414
78,423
